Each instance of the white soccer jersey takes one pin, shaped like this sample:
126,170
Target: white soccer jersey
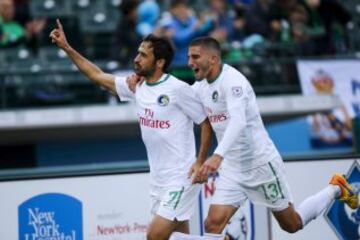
230,104
166,111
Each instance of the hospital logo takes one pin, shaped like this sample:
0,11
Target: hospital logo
163,100
50,216
215,96
342,219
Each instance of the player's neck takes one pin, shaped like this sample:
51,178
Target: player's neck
155,77
214,73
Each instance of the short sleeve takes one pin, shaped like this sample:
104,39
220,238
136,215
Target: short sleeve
190,103
122,89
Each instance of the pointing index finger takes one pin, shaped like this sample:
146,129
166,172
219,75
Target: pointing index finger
58,24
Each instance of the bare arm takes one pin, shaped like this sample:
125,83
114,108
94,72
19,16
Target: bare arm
89,69
205,141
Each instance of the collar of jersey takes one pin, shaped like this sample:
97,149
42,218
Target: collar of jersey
217,77
161,80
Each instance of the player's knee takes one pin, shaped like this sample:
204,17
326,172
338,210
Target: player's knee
213,225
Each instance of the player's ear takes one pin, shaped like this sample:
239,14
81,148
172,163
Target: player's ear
213,59
160,63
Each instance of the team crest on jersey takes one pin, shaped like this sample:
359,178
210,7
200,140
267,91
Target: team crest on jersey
163,100
237,91
215,96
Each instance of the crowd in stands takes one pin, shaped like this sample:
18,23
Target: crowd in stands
254,35
17,27
308,27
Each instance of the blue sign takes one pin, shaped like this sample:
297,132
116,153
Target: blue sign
50,216
342,219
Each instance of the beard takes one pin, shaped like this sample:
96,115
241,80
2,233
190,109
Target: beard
145,71
202,72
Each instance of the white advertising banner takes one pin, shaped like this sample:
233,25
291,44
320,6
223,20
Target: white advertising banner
334,77
307,178
90,208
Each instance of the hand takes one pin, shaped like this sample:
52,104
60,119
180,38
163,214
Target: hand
193,173
35,26
211,165
57,36
133,80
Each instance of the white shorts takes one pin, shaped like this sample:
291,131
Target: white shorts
175,202
265,185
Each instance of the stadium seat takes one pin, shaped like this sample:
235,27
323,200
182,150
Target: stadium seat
51,54
50,8
56,60
98,21
15,55
85,5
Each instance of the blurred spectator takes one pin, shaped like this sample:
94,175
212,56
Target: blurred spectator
324,30
280,12
13,33
148,15
127,39
22,11
224,20
240,27
182,26
260,20
242,2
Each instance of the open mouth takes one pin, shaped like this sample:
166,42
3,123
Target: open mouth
196,70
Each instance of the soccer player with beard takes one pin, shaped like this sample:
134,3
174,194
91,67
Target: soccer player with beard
167,108
249,165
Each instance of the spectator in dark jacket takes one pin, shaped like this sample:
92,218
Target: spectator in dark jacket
325,26
127,38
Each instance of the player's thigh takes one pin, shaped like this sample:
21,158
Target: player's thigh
268,186
160,228
218,216
178,202
183,227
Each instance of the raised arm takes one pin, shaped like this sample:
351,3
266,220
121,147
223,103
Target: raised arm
89,69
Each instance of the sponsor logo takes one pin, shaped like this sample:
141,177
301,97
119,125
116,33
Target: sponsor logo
52,216
148,120
120,229
237,91
218,118
116,224
163,100
343,220
215,96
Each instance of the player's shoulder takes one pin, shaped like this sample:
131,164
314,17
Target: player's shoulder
233,76
232,73
177,83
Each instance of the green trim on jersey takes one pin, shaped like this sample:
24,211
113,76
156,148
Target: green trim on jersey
175,197
159,81
179,197
272,190
277,179
217,77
